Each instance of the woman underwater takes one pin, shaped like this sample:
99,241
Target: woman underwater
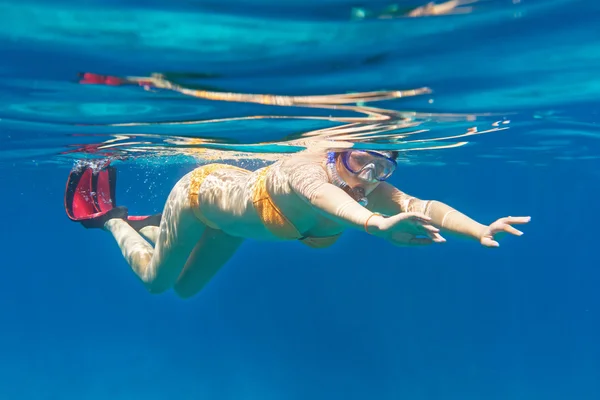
311,196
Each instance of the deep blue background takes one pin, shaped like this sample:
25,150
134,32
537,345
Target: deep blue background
359,320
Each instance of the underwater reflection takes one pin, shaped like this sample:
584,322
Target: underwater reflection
450,7
373,127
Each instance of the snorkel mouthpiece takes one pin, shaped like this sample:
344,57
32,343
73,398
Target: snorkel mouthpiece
360,193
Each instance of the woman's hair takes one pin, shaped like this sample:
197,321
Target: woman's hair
393,154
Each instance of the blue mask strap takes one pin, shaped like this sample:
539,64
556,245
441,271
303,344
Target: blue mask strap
330,157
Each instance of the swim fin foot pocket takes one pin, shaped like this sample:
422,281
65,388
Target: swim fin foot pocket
90,199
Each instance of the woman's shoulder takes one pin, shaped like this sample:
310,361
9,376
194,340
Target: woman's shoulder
305,167
305,158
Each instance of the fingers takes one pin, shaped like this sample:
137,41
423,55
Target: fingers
433,233
430,228
436,237
489,242
504,225
518,220
512,230
515,220
421,225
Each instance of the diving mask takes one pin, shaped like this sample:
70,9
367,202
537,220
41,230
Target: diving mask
370,166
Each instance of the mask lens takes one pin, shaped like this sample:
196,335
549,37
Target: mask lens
357,160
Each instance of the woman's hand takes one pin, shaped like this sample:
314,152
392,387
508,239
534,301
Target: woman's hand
501,226
407,229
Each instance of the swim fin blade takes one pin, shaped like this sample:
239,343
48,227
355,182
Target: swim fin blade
90,199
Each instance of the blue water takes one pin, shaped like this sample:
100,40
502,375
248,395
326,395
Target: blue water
359,320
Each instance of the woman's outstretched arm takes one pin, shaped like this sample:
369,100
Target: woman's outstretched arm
388,199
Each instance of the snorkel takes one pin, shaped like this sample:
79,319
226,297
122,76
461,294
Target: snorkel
357,192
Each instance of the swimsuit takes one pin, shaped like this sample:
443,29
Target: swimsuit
271,216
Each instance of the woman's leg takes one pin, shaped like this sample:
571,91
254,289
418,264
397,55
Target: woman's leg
211,252
159,267
150,233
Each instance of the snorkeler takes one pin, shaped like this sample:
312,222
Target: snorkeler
311,196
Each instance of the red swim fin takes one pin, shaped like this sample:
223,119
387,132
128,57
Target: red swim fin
90,199
83,202
90,78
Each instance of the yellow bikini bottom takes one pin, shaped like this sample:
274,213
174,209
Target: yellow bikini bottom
271,216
